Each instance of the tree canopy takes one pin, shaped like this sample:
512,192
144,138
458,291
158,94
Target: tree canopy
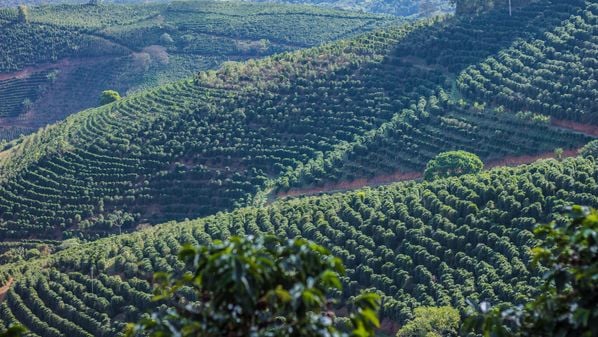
256,286
109,96
452,163
432,322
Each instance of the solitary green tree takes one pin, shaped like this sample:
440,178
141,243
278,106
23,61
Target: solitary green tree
452,163
558,153
432,322
260,287
23,13
109,96
566,304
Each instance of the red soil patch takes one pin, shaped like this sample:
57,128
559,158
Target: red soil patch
586,128
389,326
528,159
62,64
352,185
4,289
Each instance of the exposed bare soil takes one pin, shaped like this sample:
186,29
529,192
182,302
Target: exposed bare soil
586,128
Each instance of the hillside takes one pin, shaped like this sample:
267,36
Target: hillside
534,86
407,8
394,7
431,243
63,57
225,138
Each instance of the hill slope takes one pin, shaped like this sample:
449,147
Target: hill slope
420,8
432,243
64,56
216,142
394,7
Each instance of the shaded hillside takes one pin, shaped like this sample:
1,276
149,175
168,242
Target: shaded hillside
415,8
433,243
406,8
65,56
494,124
215,142
416,135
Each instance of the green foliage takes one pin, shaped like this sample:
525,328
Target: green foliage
23,14
18,94
171,42
558,153
414,243
441,124
432,322
590,149
109,96
223,140
262,286
407,8
523,76
566,304
472,7
13,331
452,163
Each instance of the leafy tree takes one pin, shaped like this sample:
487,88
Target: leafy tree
252,286
566,304
166,39
432,322
452,163
23,13
109,96
27,104
14,331
558,153
590,149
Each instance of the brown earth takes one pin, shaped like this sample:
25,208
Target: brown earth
586,128
63,64
4,289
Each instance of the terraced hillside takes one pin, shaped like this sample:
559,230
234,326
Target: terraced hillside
398,146
431,243
420,8
219,141
394,7
14,3
89,49
554,74
416,135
